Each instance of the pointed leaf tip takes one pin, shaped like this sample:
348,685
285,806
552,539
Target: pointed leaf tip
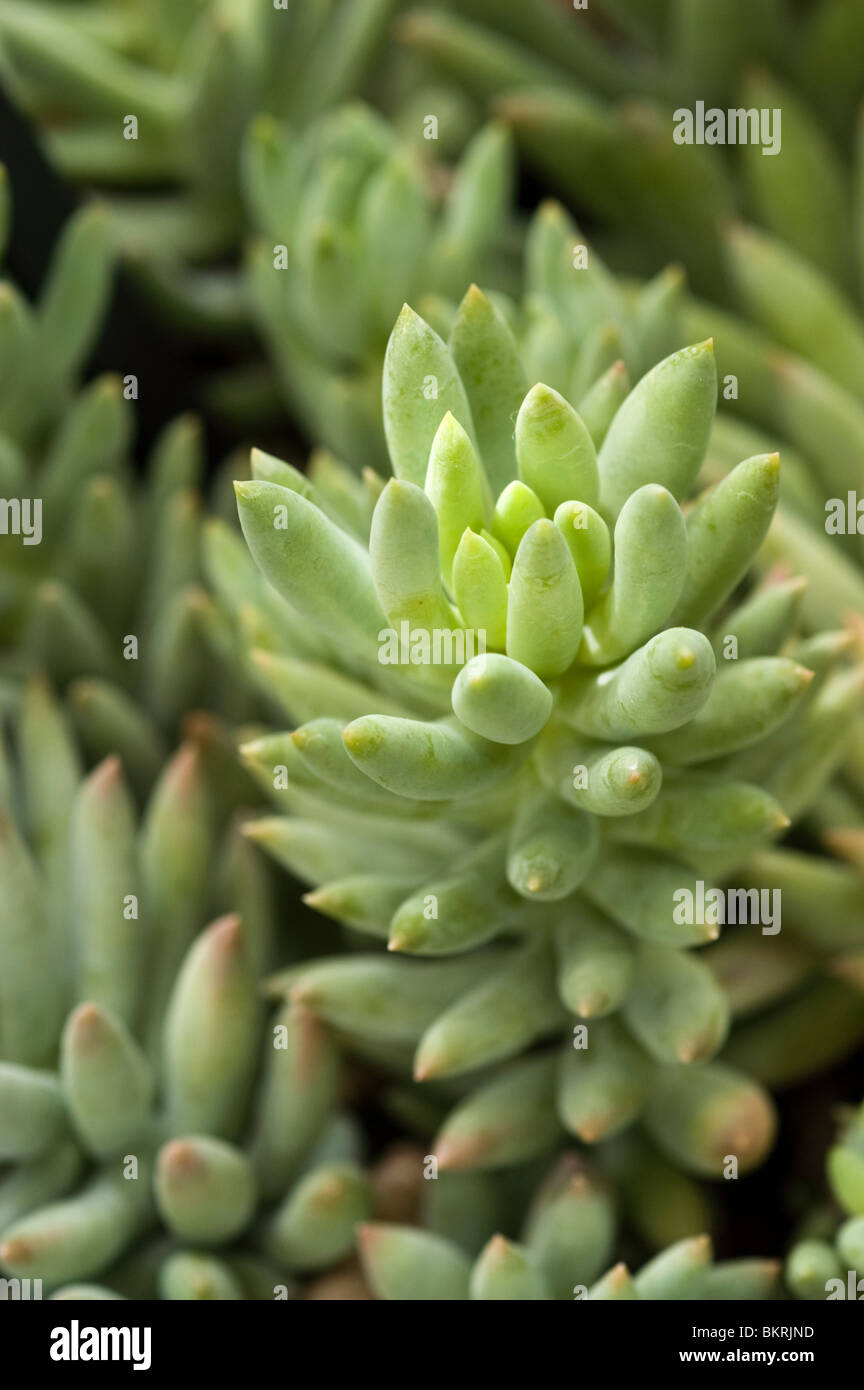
227,935
87,1024
106,775
181,1159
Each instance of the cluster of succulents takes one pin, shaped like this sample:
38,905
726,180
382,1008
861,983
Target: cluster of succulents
543,678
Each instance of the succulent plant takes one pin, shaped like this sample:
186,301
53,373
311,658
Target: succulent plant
592,95
573,321
529,816
577,324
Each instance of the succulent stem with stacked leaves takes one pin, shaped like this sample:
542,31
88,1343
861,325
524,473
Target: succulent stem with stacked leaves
579,767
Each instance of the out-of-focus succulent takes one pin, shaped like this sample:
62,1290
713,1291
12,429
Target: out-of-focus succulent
46,345
141,1083
141,97
846,1165
592,92
100,576
529,817
827,1261
349,226
150,104
404,1264
572,318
